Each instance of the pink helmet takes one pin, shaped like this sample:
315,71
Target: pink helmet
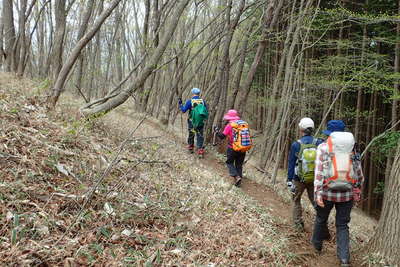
231,115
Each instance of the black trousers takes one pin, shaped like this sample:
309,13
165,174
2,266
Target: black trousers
234,161
343,210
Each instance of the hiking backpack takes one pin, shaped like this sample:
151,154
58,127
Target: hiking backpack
199,113
341,164
305,165
242,141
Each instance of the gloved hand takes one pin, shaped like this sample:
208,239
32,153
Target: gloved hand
291,186
180,101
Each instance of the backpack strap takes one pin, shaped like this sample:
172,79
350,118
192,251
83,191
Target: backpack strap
298,152
333,158
314,141
197,101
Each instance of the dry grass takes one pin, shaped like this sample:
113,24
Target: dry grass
155,207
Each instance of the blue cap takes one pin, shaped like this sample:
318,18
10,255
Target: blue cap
334,126
196,91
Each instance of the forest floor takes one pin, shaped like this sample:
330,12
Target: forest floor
80,192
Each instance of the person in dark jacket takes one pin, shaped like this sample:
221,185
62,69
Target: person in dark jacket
198,132
295,185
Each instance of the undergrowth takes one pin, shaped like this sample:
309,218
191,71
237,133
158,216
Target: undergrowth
76,191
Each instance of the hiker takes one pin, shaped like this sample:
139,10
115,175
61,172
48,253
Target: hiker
338,181
239,142
301,165
198,113
331,126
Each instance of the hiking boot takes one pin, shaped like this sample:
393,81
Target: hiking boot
200,152
317,248
190,148
344,263
327,237
238,181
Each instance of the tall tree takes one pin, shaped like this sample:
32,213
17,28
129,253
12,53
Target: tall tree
386,240
60,14
9,34
114,101
66,68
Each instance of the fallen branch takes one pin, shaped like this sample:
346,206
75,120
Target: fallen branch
148,161
7,156
81,93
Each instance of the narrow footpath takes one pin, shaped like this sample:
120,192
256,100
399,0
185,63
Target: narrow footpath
269,199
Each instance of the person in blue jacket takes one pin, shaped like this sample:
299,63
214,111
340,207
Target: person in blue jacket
297,187
198,132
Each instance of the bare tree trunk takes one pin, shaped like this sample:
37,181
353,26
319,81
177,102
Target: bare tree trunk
155,28
2,52
386,240
222,76
240,67
82,29
22,38
66,68
60,14
360,89
40,38
9,33
389,160
371,181
113,102
270,16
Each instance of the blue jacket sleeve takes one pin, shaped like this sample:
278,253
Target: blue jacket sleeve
319,141
186,107
294,150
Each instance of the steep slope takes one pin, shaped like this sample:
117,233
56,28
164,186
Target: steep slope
121,190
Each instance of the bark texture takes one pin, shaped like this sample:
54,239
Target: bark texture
386,241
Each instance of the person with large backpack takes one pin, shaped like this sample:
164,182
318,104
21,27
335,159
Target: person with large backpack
239,143
198,113
301,165
338,181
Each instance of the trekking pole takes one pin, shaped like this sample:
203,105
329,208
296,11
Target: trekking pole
183,137
215,130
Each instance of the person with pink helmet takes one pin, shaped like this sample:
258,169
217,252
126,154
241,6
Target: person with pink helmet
234,159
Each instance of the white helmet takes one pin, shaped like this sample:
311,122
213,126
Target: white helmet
306,123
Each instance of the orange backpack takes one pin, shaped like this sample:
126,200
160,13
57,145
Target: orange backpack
242,141
341,170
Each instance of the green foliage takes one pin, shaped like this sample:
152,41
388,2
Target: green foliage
43,86
379,188
385,146
14,231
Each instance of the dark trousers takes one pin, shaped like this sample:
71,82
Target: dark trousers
234,161
343,210
198,132
297,209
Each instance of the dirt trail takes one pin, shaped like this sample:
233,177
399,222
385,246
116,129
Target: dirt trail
282,211
266,197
